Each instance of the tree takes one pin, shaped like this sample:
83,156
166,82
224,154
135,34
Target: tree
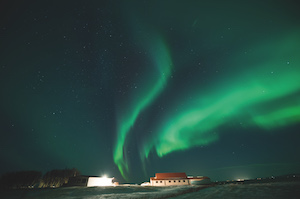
57,178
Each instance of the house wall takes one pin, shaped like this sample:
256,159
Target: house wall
99,181
169,182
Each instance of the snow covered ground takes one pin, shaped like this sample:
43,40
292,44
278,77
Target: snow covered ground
256,190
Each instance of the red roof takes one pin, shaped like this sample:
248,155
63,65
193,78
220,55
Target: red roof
162,176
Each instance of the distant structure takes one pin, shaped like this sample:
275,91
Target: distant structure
176,179
78,181
91,181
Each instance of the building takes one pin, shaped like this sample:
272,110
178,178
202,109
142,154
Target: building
199,180
169,179
176,179
78,181
100,181
91,181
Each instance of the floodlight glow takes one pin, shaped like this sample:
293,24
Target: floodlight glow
100,181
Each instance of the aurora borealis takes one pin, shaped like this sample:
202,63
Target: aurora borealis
131,88
163,64
259,101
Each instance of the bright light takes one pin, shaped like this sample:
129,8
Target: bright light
100,181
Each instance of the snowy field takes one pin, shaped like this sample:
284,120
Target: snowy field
262,190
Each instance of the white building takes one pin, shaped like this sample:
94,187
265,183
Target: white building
169,179
91,181
176,179
100,181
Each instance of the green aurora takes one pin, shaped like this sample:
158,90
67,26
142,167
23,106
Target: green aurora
162,62
258,97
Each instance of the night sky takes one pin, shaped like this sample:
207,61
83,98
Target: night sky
131,88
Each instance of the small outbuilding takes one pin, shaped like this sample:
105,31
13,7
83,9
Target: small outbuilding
91,181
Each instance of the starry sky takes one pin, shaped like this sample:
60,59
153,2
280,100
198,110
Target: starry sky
133,88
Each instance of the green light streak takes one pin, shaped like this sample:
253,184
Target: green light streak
281,117
195,126
162,61
251,96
